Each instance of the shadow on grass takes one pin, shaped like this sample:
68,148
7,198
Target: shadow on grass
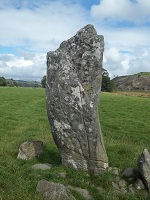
50,155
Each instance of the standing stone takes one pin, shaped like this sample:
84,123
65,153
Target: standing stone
74,75
144,167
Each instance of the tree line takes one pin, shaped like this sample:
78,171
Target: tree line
107,83
3,81
10,82
18,83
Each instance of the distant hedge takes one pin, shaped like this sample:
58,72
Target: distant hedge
3,81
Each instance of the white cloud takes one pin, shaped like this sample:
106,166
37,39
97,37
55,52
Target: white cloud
19,62
121,47
41,28
19,67
125,10
140,62
125,38
113,55
35,30
38,29
114,61
119,64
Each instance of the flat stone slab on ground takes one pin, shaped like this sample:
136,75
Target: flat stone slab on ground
57,191
43,166
83,192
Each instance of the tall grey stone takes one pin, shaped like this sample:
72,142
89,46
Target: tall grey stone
74,75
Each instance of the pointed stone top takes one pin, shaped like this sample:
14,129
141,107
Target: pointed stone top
87,31
86,37
87,28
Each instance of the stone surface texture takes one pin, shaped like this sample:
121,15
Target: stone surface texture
139,185
54,191
83,192
144,167
30,149
57,191
138,82
72,91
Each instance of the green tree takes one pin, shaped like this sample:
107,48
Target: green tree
107,84
12,83
15,83
3,81
43,82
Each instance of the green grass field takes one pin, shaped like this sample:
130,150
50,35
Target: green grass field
144,73
126,129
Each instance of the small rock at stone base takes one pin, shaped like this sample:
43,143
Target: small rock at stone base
113,170
30,149
109,169
139,185
83,192
62,175
43,166
129,172
122,183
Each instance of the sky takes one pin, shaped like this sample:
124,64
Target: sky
31,28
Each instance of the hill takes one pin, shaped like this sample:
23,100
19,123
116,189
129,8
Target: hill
21,83
137,82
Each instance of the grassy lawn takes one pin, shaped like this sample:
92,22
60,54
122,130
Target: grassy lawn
126,129
144,73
